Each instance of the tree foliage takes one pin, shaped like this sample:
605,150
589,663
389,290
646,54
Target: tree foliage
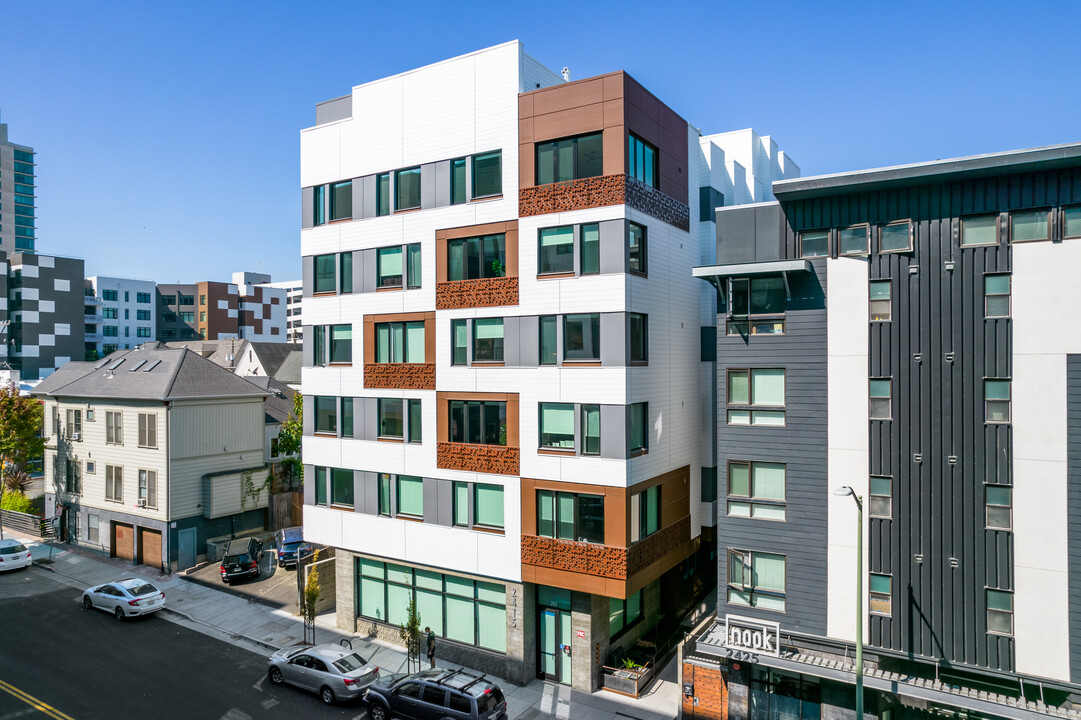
410,634
20,431
311,597
290,437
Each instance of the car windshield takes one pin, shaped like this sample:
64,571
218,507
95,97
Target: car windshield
12,549
290,547
142,589
349,663
233,559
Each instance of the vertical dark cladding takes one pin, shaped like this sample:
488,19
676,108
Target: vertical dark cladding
1073,455
800,444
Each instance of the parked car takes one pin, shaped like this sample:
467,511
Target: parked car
14,555
291,546
436,694
125,598
241,559
335,672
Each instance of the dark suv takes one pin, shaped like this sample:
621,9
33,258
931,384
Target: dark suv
291,546
436,695
241,559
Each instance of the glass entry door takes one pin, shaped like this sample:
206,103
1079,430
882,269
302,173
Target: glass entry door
555,643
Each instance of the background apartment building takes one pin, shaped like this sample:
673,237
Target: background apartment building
894,331
42,303
504,409
17,199
263,307
221,311
120,313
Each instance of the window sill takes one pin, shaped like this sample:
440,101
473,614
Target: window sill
399,211
488,363
488,530
390,439
388,288
486,198
568,452
329,293
340,220
639,452
905,250
410,518
581,363
638,273
639,363
146,447
340,506
555,276
339,364
325,434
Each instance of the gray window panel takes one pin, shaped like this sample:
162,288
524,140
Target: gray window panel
308,273
309,414
368,493
613,247
364,271
613,440
307,196
427,186
510,341
309,484
308,347
528,340
442,183
358,198
444,502
431,500
367,207
366,418
613,339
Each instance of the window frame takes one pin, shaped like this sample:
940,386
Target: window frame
988,505
559,230
1065,210
634,450
634,141
454,181
576,522
865,249
997,611
643,359
987,296
384,197
584,410
114,479
593,358
974,216
750,499
643,261
873,302
552,322
1047,219
879,595
575,160
148,431
333,189
331,360
873,510
1008,401
414,413
148,488
871,405
320,405
386,282
497,344
817,231
473,177
459,326
383,415
398,175
405,327
483,407
475,247
114,427
749,323
544,447
751,407
412,479
747,574
909,225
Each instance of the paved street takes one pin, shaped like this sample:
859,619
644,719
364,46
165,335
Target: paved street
85,664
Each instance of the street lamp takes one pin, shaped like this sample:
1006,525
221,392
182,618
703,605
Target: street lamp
843,491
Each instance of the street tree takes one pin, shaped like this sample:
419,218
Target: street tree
20,433
290,437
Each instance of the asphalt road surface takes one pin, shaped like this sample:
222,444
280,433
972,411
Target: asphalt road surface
60,661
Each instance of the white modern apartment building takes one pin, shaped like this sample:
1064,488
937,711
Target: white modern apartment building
508,398
263,307
121,313
294,293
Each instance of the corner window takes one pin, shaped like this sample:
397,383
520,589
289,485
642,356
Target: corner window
457,182
478,422
407,189
345,265
556,250
415,419
895,237
756,490
582,337
815,243
1071,221
996,296
590,256
757,306
476,258
570,159
880,502
996,394
999,612
548,341
756,580
637,428
881,309
390,418
488,174
410,496
459,338
999,507
388,263
326,415
413,267
854,240
1029,225
319,205
382,194
636,248
756,396
880,596
341,201
557,426
641,160
881,394
639,337
488,340
341,487
591,429
979,230
399,342
570,516
324,274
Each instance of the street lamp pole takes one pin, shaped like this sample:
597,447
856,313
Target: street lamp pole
847,490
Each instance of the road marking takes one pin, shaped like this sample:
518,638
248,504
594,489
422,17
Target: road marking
267,704
33,702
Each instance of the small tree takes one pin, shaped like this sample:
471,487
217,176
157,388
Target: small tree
311,597
20,432
410,634
290,437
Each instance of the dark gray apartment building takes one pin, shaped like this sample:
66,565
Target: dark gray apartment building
42,312
17,195
903,337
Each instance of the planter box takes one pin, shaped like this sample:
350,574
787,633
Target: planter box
624,681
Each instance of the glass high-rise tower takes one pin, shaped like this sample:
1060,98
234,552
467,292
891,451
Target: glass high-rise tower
16,195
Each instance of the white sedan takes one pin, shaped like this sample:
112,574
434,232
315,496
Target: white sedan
125,598
14,555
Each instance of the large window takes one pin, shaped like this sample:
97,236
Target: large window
999,499
591,429
341,343
756,580
999,612
476,258
341,201
622,614
570,516
114,428
467,611
148,488
341,487
895,237
557,426
488,340
996,291
979,230
639,337
556,250
996,395
1029,225
148,430
758,306
881,309
756,396
114,483
391,421
854,240
646,507
637,428
570,159
488,174
410,496
388,264
582,337
549,327
486,510
814,243
407,189
399,342
326,414
641,160
756,490
881,395
478,422
636,248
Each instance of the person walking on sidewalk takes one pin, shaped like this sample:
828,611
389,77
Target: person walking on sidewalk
431,645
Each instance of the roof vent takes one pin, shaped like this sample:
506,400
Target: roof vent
566,74
109,373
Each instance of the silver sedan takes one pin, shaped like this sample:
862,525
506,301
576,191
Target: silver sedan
125,598
336,673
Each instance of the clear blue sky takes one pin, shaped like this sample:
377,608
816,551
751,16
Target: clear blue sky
167,133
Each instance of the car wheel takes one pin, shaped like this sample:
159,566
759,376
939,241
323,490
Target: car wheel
87,602
377,711
276,676
119,613
327,695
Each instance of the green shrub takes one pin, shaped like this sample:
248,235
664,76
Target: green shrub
17,502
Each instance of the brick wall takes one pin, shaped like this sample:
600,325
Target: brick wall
710,691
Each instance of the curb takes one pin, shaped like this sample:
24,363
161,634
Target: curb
231,635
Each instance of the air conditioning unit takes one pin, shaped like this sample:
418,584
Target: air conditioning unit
141,503
76,436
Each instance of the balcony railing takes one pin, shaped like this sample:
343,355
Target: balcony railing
486,292
403,376
603,191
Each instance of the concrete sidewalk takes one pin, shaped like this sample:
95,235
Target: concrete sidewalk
264,629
